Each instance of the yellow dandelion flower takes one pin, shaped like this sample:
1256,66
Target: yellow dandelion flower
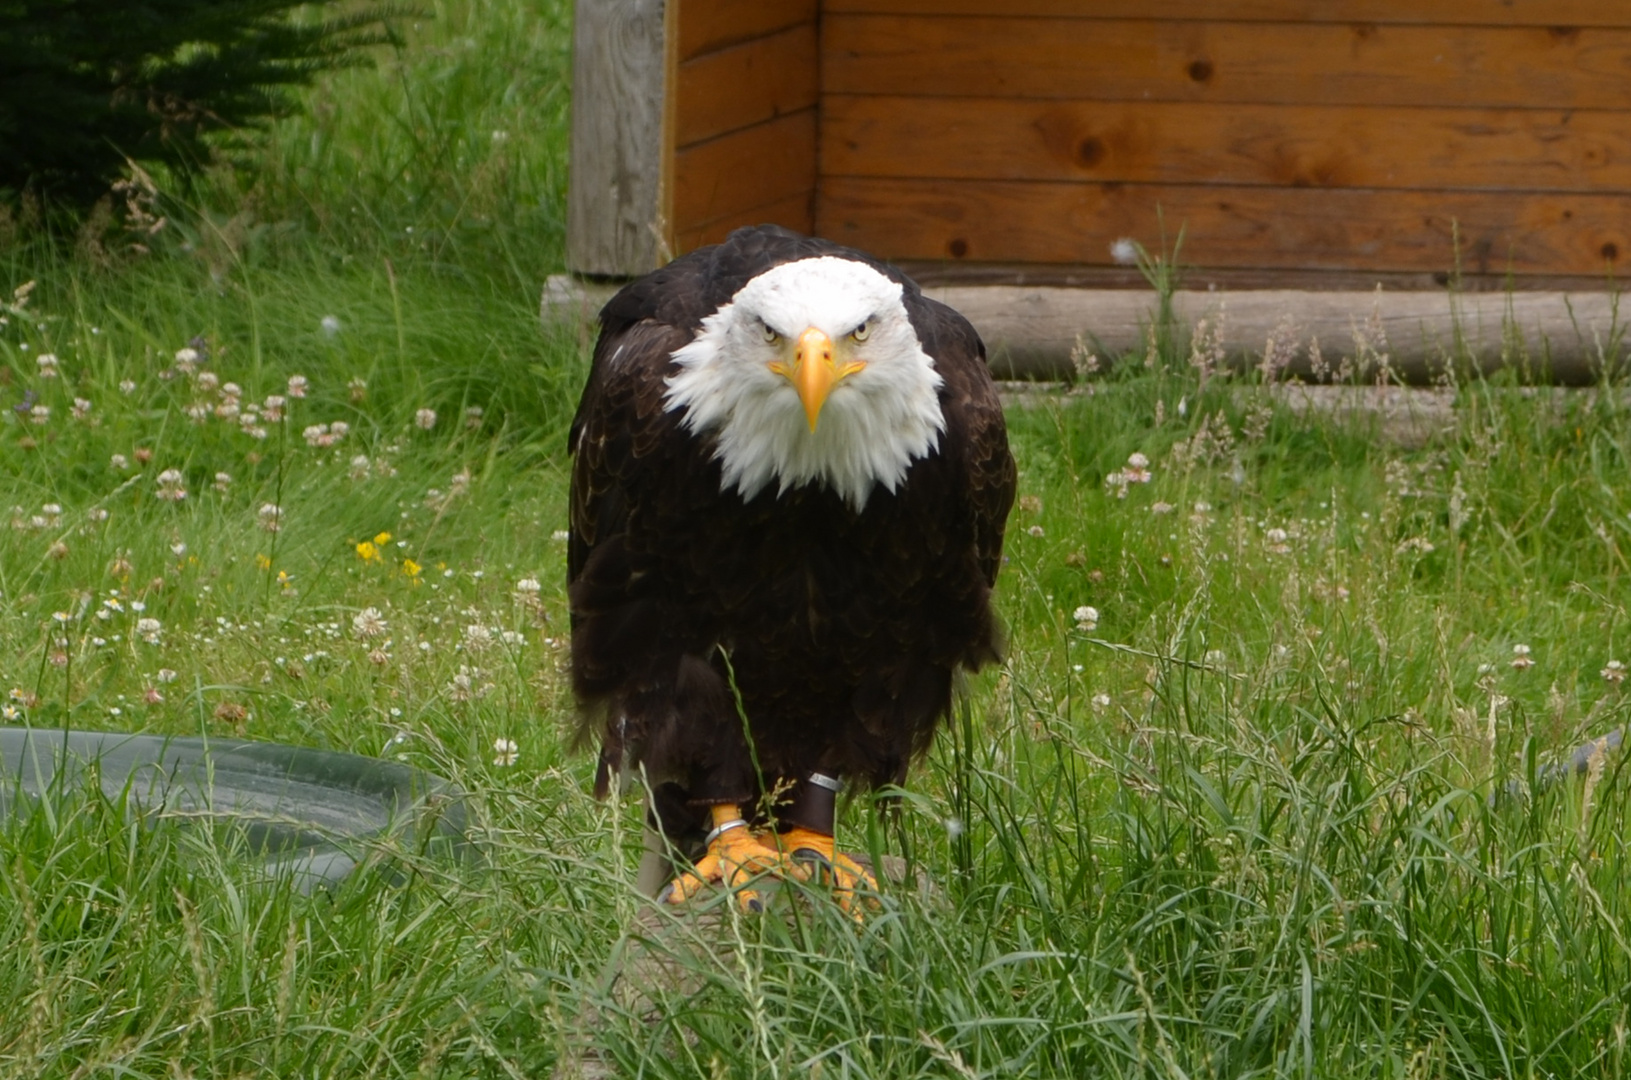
367,552
382,539
263,561
285,579
411,568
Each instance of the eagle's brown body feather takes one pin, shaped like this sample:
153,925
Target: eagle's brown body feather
842,629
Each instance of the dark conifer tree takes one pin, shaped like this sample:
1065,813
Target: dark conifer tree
84,84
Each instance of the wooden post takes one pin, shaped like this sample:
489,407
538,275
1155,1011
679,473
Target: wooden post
617,219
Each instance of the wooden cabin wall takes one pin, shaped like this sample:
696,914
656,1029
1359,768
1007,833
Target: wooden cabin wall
744,117
1291,135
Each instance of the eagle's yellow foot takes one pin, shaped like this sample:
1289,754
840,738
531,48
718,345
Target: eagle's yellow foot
735,857
816,856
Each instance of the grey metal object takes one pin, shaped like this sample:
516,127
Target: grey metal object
1585,757
310,815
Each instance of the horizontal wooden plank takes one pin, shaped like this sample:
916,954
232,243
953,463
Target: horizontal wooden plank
1227,227
1418,12
1149,60
746,84
757,166
706,25
796,212
1201,142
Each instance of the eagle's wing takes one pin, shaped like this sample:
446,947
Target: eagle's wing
974,427
620,423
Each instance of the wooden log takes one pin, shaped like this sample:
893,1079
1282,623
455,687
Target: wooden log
736,174
718,24
1031,332
1229,226
746,84
616,214
795,211
1203,143
1237,62
1546,13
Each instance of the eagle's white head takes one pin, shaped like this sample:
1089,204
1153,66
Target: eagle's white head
812,373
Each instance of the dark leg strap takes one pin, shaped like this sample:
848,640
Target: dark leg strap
815,804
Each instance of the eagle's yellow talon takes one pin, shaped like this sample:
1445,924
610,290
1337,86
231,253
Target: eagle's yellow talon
815,857
735,857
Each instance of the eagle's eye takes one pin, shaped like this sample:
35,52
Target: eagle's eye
771,337
862,332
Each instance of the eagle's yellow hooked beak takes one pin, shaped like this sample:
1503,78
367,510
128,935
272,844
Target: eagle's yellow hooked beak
814,372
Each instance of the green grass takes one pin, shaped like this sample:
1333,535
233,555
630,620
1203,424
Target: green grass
1242,826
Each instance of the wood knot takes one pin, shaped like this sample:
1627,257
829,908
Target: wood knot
1611,251
959,248
1200,70
1090,151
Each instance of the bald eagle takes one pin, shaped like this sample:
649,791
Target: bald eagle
789,483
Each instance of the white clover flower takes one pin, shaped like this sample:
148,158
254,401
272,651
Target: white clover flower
223,482
560,536
297,386
40,414
48,365
119,461
231,390
1137,470
149,628
477,637
208,381
1035,530
187,359
425,419
127,386
460,688
360,466
1277,541
339,429
1101,700
81,409
1521,660
166,675
506,753
369,623
330,325
1614,672
529,586
1162,508
170,486
1087,617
